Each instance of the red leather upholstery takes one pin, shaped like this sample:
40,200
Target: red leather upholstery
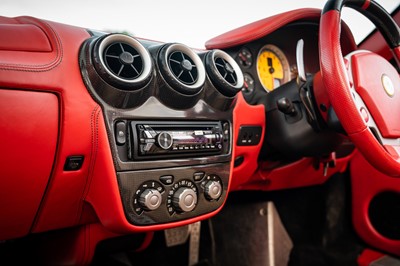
368,72
28,133
261,28
367,182
258,29
23,38
246,114
39,50
58,72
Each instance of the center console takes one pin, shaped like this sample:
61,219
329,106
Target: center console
168,111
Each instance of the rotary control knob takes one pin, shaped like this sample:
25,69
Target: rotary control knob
213,190
184,199
165,140
150,199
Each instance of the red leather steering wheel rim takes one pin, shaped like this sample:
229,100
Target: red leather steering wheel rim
338,82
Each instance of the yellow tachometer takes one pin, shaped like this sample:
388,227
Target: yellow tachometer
272,67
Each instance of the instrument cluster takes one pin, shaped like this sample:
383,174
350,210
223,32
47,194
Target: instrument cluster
270,61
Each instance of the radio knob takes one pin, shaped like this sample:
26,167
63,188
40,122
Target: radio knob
213,190
150,199
185,199
165,140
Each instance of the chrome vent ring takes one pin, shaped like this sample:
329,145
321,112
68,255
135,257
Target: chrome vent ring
182,68
224,72
122,61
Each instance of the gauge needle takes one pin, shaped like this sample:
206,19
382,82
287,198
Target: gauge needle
271,69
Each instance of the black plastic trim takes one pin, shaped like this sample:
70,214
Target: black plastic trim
131,182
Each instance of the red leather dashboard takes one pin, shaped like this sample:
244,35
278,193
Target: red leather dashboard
43,63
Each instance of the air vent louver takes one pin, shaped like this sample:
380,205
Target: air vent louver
182,68
122,61
226,70
224,73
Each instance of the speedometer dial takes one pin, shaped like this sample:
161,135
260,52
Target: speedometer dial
272,67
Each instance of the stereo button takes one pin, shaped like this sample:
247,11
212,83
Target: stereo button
165,140
148,135
167,179
120,132
198,176
147,147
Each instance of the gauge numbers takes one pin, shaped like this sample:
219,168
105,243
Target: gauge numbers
272,67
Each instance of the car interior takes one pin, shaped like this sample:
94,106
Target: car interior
278,144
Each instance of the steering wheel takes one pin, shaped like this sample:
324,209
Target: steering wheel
363,87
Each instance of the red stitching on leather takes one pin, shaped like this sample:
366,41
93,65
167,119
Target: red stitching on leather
54,40
94,125
260,28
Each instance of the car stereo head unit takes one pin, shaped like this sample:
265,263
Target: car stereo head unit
179,139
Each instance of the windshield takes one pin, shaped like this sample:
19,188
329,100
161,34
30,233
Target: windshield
188,22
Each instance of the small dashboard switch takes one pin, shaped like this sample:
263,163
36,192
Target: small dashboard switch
120,132
167,179
198,176
249,135
73,163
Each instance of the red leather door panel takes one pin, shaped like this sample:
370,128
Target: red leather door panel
28,139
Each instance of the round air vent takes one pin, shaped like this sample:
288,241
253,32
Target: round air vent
122,61
182,68
224,72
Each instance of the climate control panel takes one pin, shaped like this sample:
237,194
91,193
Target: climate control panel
172,194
